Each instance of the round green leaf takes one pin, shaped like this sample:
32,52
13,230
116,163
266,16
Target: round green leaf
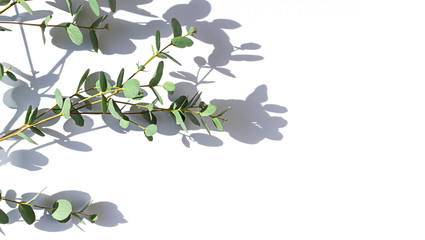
208,110
94,7
151,130
61,209
169,86
3,217
66,109
131,88
27,213
182,42
74,34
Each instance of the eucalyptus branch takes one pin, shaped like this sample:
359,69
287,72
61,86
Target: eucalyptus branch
61,211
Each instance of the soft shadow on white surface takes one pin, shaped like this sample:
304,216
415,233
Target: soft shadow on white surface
108,213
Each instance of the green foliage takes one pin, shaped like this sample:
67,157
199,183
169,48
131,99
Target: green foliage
110,98
4,2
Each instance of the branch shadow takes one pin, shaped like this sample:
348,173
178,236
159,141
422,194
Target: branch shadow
108,213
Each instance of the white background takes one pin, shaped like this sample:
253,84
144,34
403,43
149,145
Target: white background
324,141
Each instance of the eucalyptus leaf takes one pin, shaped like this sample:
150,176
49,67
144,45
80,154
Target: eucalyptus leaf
158,40
27,213
77,118
208,110
98,21
206,126
77,13
169,86
223,112
182,42
102,81
43,26
177,29
158,74
59,98
22,135
192,118
79,219
83,79
11,76
37,131
1,71
131,88
61,209
120,78
66,108
112,5
94,41
33,116
4,2
4,219
74,34
124,123
93,218
27,116
172,58
71,10
3,29
217,124
104,104
94,7
25,5
115,110
151,130
157,95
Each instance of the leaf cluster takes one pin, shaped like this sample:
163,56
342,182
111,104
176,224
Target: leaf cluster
61,211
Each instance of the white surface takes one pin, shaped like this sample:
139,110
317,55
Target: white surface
345,161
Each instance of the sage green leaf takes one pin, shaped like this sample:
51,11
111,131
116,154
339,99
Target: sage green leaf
141,68
120,78
112,5
124,123
172,59
59,98
115,110
3,29
223,112
177,29
79,9
93,218
158,74
93,40
179,119
102,81
25,5
182,42
208,110
158,40
4,219
104,104
27,213
157,95
43,26
192,118
74,34
131,88
150,107
80,220
27,117
76,116
169,86
37,131
66,108
179,102
61,209
71,10
190,32
4,2
65,220
217,124
98,21
11,76
94,7
151,130
82,80
206,126
33,116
